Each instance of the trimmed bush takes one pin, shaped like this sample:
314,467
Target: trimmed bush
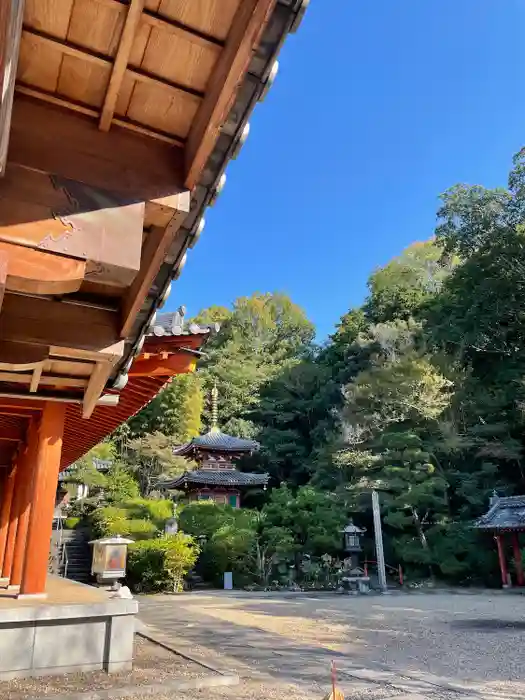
138,529
161,564
109,520
155,510
71,523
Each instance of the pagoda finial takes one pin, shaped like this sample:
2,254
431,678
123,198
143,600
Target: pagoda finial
214,409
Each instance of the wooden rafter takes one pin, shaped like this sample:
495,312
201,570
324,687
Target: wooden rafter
98,60
121,62
154,252
100,375
248,25
11,15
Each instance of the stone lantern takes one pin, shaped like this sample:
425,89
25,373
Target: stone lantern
109,559
352,542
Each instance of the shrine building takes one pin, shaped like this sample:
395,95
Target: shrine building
505,521
117,121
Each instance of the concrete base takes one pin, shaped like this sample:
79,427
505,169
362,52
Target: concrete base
76,628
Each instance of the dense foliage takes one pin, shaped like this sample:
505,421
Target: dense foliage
419,393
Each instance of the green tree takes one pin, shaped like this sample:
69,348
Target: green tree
175,412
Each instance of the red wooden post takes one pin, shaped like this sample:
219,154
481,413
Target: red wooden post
517,559
400,575
47,463
501,557
5,511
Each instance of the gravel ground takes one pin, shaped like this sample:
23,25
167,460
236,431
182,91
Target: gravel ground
473,642
249,690
153,664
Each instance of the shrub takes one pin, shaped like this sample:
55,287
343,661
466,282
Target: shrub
109,520
155,510
138,529
206,518
71,523
120,485
161,564
230,549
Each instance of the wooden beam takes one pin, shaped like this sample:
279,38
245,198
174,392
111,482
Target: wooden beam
20,399
155,249
3,277
70,219
19,357
15,432
177,363
246,30
99,377
121,61
50,139
11,16
36,378
90,112
37,321
35,272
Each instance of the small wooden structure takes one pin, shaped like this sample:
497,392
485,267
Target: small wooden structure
216,478
505,519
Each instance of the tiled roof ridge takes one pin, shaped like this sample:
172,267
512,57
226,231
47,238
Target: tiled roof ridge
173,323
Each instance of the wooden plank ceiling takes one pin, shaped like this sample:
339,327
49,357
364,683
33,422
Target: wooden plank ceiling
165,68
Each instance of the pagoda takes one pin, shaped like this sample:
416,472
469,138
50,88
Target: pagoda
215,478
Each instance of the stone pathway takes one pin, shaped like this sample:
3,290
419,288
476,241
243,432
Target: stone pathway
438,647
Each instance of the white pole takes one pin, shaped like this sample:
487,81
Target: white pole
381,571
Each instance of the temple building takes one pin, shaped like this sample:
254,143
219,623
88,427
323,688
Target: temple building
117,123
505,520
215,477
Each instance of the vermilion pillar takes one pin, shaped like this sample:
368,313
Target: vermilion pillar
13,524
24,495
8,488
517,559
501,557
46,467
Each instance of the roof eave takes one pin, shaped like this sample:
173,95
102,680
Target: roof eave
284,19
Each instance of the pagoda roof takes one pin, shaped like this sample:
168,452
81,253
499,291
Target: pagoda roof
215,440
507,513
216,477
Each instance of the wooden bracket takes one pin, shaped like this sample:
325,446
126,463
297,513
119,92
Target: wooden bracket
100,375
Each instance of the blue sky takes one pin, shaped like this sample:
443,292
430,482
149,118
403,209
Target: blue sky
379,106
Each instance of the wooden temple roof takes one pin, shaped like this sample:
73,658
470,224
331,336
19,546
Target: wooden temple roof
80,435
217,441
118,119
216,477
505,513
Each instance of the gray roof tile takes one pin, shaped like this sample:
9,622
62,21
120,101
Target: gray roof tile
507,513
215,440
173,323
217,477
